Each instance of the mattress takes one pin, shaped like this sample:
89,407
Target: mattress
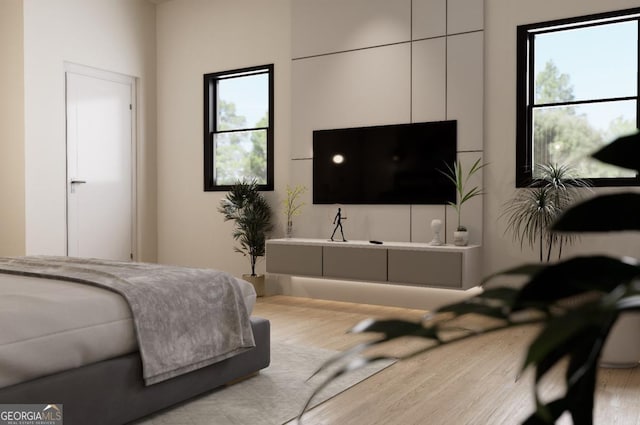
49,326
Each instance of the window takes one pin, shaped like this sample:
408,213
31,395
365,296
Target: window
238,128
577,91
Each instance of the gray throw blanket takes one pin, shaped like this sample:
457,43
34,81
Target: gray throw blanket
185,318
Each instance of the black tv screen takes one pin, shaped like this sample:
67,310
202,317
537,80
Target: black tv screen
390,164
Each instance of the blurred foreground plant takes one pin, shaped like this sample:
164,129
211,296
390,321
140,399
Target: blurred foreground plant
599,288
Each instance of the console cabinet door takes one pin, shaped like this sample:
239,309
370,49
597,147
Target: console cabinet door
355,263
431,268
301,260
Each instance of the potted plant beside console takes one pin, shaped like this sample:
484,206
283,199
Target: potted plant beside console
251,214
532,210
457,176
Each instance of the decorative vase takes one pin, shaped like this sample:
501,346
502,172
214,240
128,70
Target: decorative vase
461,237
257,281
288,233
436,227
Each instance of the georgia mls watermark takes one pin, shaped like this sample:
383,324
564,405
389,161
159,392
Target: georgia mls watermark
31,414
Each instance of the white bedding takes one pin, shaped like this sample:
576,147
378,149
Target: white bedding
48,326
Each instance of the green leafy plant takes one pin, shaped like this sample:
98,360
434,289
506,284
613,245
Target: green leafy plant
532,210
290,205
251,214
576,302
457,176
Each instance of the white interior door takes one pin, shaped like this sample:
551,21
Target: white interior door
100,196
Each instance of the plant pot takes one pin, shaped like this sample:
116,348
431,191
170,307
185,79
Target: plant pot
461,238
622,348
257,282
288,233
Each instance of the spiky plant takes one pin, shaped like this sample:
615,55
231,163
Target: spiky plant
460,180
532,210
251,214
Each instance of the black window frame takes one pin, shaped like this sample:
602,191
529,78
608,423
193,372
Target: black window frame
525,90
210,123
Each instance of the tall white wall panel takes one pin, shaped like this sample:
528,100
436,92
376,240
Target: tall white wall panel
464,16
465,90
429,80
329,26
359,88
429,18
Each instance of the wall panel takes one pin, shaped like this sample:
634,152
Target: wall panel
12,161
464,16
329,26
465,88
429,18
359,88
429,80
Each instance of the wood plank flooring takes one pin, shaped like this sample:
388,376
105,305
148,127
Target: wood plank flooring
473,382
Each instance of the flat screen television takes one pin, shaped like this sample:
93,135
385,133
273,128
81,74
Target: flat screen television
390,164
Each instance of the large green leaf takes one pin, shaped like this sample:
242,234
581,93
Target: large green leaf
605,213
557,338
575,276
350,366
547,414
623,152
392,329
582,370
521,270
631,302
493,302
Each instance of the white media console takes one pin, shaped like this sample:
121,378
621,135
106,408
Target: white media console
447,266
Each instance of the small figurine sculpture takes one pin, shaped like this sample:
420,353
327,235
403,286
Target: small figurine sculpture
338,222
436,226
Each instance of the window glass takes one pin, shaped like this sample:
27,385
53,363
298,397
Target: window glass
595,61
240,155
239,128
243,102
569,134
577,91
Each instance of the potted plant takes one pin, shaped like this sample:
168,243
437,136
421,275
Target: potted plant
457,176
532,210
251,214
576,303
292,206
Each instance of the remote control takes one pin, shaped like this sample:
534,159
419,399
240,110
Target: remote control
376,242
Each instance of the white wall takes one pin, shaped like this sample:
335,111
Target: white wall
196,37
501,19
12,233
113,35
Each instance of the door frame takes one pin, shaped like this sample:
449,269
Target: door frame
88,71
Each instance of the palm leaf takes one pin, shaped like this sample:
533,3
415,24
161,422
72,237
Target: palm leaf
623,152
576,276
605,213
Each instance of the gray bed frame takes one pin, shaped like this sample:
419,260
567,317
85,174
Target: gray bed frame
112,392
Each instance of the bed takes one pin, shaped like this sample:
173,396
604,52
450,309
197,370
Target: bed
73,342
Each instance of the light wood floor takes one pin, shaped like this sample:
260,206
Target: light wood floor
473,382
